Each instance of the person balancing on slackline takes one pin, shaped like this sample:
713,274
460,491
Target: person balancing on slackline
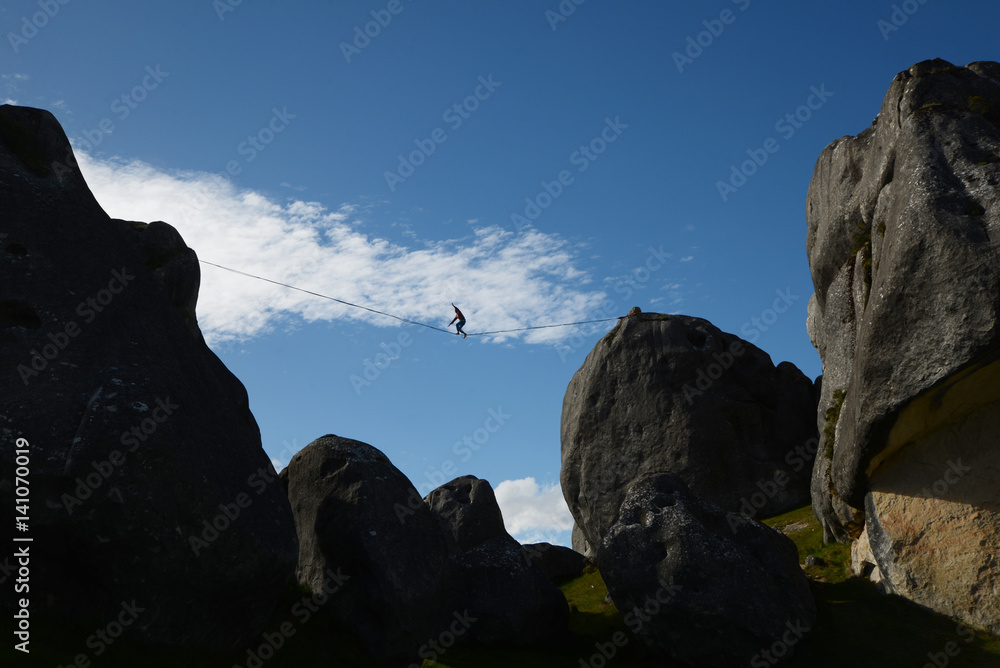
461,321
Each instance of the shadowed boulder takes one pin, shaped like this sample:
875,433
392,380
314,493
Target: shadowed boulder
510,599
345,495
701,586
148,480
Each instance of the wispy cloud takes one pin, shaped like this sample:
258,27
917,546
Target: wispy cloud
534,513
501,280
11,87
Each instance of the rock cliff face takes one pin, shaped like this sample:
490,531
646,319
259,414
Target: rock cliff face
904,249
670,393
148,483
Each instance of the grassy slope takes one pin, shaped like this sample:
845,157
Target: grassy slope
856,626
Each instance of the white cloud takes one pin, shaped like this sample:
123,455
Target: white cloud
534,513
11,86
499,279
687,259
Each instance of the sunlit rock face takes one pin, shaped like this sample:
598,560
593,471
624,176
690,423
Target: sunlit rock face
904,249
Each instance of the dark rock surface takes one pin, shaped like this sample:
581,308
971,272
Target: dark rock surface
557,562
467,512
345,495
699,585
903,222
675,393
509,597
142,445
902,227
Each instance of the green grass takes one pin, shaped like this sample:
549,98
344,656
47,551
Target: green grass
806,532
857,626
830,422
592,621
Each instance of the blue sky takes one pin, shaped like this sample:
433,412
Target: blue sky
530,163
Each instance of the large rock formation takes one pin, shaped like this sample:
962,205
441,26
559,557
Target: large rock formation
701,586
560,564
903,230
506,597
674,393
388,566
148,485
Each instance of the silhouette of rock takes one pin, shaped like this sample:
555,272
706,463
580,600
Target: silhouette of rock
509,597
148,483
359,532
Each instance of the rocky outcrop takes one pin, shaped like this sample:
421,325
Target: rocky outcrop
467,512
148,483
386,568
674,393
903,223
507,599
701,586
559,563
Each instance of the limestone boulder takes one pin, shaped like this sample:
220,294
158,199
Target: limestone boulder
699,585
360,535
507,599
903,228
559,563
672,393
